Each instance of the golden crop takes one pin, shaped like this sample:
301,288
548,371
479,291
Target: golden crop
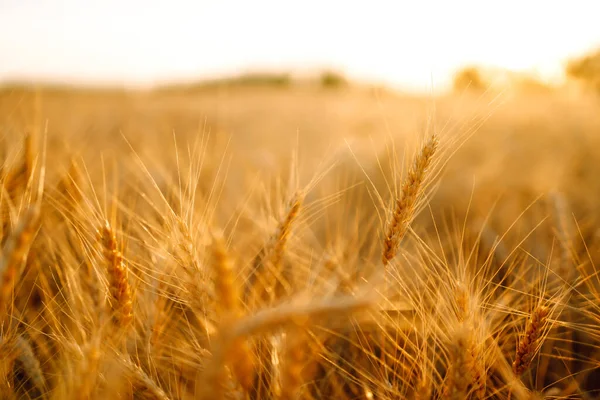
242,242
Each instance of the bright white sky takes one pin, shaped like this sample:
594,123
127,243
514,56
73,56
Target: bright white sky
408,43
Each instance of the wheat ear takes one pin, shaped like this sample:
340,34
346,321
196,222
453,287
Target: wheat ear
120,291
295,357
479,374
16,180
528,343
407,202
227,292
459,375
14,255
266,273
29,363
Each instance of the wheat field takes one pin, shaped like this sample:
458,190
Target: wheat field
256,242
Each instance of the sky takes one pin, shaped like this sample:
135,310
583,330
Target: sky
408,44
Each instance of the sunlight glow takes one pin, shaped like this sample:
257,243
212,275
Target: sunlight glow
409,44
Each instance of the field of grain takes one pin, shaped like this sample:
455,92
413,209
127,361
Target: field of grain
298,242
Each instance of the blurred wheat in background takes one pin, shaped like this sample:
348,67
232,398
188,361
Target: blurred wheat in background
274,235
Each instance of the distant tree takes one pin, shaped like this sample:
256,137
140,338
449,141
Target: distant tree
469,78
586,69
262,79
332,79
